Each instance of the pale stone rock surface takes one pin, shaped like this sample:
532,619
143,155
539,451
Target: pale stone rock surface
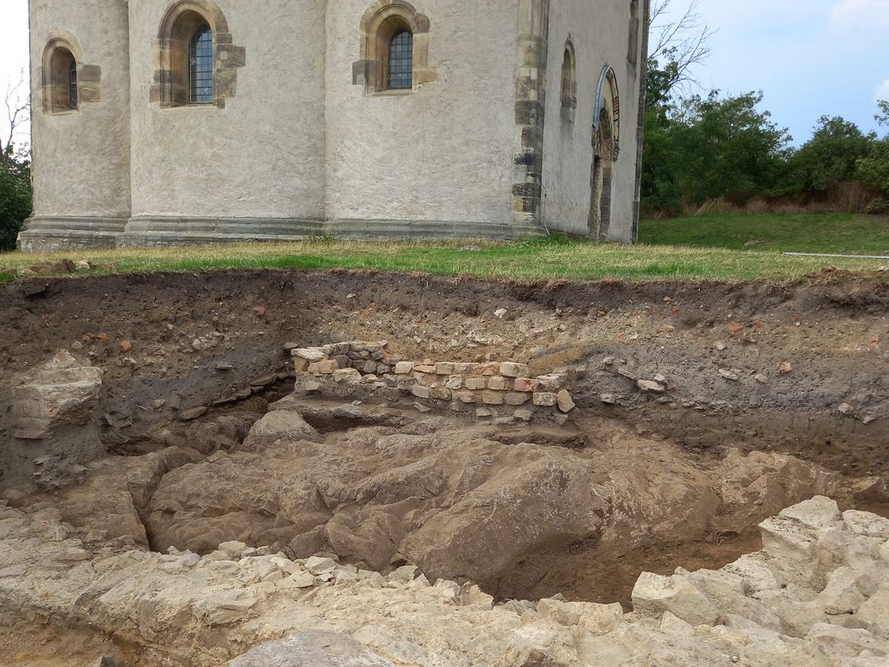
278,425
350,618
313,648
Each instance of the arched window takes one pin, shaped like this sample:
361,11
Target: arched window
569,83
197,60
62,84
200,73
394,48
401,61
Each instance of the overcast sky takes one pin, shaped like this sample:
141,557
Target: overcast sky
809,57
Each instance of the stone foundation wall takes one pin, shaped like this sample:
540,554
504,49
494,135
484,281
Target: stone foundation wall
485,385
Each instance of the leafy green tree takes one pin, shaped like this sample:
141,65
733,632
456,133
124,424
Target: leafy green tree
830,157
873,168
15,197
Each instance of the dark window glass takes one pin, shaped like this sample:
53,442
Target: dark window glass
200,56
72,85
401,61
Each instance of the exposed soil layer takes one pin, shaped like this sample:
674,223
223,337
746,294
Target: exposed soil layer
771,393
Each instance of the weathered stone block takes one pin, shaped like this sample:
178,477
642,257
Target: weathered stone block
526,385
498,383
553,382
310,354
544,399
442,393
516,398
347,376
404,367
420,391
492,397
467,397
454,382
564,401
475,383
444,368
326,367
513,370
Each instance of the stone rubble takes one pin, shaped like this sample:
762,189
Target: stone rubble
817,595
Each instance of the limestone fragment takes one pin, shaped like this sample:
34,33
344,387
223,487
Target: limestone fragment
565,402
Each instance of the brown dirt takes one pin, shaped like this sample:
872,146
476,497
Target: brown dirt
582,572
142,328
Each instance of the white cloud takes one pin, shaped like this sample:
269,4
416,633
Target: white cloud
860,14
882,91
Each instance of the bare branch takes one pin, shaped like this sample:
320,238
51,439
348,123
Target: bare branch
18,115
683,40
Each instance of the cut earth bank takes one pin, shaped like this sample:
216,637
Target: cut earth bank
702,410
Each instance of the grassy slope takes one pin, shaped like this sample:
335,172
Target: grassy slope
838,233
554,258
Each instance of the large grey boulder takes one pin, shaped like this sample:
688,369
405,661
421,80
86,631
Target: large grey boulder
53,420
313,648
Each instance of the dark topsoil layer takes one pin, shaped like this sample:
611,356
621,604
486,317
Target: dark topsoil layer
191,337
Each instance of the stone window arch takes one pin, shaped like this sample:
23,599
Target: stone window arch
608,100
197,61
635,24
569,82
61,73
387,29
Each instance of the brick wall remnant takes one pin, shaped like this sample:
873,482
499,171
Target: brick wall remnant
459,384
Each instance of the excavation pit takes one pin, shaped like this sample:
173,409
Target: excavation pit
701,410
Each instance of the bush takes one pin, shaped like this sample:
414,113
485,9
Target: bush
877,206
15,199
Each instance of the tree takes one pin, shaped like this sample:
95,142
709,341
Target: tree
678,45
15,170
830,157
873,168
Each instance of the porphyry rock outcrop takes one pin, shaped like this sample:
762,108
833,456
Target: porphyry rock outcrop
447,497
816,596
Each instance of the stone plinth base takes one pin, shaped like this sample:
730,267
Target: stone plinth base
54,234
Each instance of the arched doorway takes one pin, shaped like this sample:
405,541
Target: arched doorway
600,179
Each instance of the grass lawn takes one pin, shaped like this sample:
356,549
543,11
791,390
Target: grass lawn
556,258
836,233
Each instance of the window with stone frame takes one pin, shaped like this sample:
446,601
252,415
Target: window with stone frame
197,59
394,48
61,89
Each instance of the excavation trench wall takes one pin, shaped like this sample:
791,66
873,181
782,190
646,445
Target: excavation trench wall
172,342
